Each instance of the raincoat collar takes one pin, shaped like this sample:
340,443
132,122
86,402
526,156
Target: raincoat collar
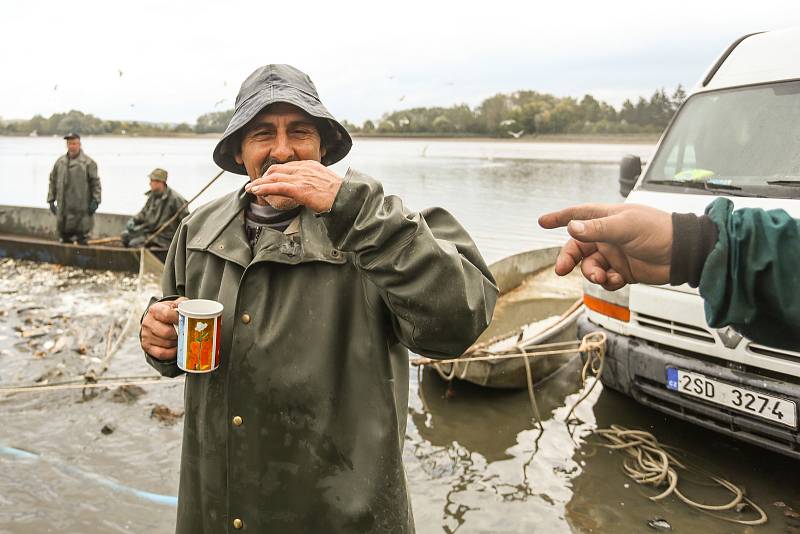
223,234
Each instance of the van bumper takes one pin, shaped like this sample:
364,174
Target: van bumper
638,369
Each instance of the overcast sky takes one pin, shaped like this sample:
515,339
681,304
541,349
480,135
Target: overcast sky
181,59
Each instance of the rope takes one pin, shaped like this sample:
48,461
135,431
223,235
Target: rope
531,393
519,352
650,464
101,383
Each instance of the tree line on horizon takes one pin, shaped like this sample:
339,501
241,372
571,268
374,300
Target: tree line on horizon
502,115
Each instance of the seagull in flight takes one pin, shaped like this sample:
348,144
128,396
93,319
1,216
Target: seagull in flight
516,135
402,98
120,72
55,88
219,102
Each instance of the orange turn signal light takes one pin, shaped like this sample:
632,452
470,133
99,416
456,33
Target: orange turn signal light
606,308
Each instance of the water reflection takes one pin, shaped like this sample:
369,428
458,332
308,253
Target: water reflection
494,462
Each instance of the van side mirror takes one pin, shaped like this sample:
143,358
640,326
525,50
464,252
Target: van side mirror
629,170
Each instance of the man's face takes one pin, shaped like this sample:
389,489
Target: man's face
157,186
73,147
279,134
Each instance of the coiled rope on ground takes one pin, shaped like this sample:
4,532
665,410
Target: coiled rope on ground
650,462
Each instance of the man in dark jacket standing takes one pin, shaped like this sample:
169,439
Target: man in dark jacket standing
326,282
74,192
163,203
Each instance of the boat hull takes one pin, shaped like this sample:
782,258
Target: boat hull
30,234
530,294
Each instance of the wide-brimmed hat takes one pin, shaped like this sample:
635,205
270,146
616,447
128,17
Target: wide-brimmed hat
279,83
159,175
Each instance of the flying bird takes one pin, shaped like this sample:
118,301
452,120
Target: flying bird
219,102
516,135
120,72
55,88
507,122
402,98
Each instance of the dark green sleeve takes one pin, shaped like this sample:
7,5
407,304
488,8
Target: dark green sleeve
172,285
431,277
52,192
94,182
751,279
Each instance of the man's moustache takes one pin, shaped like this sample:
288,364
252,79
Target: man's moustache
269,162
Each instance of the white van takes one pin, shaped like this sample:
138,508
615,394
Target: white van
737,135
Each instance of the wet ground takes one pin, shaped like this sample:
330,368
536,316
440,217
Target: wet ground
476,461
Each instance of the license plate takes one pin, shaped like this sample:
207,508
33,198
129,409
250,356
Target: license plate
774,409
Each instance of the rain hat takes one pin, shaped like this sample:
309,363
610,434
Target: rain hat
279,83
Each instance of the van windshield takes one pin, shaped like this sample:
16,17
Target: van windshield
743,141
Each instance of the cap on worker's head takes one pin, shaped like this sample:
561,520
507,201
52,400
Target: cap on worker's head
72,135
159,175
280,83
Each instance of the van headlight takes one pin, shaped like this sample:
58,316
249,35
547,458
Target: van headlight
612,304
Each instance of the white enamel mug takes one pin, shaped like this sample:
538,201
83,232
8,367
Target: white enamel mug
199,331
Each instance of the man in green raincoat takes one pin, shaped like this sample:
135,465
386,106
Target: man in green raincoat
74,192
163,203
326,283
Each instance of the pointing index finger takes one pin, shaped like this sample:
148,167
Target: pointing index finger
558,219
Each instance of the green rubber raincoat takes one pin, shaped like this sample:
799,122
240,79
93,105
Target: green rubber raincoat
73,185
159,208
301,429
751,279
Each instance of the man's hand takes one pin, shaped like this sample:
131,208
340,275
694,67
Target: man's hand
616,244
159,339
53,208
308,183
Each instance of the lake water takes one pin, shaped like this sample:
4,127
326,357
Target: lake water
475,461
496,189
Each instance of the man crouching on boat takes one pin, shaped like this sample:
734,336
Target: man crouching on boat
326,282
157,222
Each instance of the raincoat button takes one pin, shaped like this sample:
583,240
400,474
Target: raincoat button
237,523
237,421
246,318
222,247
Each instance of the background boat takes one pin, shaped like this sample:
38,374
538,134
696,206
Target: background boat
30,234
535,307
